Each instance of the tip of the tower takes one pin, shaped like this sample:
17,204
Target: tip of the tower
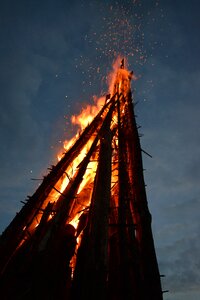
122,64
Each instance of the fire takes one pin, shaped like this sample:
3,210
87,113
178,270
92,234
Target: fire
119,78
118,82
88,113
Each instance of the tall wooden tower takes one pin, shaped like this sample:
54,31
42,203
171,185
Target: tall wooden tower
86,231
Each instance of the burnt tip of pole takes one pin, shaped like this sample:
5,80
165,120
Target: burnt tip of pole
122,64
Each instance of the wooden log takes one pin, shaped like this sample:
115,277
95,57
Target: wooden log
142,216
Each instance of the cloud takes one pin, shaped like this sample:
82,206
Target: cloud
181,265
49,50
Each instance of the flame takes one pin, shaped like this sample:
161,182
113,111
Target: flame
118,78
112,75
70,171
118,82
88,113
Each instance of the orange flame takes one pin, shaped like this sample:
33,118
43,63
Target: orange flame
87,114
118,82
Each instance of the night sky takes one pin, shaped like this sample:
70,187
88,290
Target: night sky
54,58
